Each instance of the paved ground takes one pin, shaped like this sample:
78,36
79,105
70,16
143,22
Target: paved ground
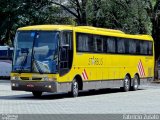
146,100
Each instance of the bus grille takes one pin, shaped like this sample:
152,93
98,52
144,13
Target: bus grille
36,78
25,78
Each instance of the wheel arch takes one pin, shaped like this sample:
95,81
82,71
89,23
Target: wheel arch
128,75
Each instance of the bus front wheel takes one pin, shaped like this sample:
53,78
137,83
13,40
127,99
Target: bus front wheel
37,94
75,88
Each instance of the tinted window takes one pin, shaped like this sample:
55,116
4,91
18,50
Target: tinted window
121,45
111,45
6,53
82,42
132,46
137,47
3,53
105,44
150,47
98,43
67,39
143,47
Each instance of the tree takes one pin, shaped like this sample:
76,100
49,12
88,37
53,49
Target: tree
126,15
15,14
156,27
129,16
9,10
76,8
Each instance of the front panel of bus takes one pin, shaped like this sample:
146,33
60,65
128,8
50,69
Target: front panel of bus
39,59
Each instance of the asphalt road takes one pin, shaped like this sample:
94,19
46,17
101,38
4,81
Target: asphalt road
108,101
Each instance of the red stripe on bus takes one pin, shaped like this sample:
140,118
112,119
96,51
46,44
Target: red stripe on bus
86,74
141,69
83,76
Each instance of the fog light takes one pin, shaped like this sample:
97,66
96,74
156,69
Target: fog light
49,86
13,84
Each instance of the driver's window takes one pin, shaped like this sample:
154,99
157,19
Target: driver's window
66,51
66,45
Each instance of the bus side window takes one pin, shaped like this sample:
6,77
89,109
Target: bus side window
4,53
111,45
121,45
98,43
143,47
137,47
82,42
150,48
132,46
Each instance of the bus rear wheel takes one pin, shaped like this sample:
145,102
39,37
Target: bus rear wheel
135,83
75,88
37,94
126,84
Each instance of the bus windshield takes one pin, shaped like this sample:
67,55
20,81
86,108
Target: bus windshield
36,51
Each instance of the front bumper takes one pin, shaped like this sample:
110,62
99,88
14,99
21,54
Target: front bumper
43,86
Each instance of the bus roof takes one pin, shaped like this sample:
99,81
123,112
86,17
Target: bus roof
87,29
47,27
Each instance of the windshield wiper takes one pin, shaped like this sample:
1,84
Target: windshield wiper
33,61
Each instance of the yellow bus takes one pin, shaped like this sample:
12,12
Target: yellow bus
63,58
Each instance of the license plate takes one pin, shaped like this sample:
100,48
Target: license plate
30,85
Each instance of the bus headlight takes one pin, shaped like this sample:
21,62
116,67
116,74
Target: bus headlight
46,79
52,79
14,78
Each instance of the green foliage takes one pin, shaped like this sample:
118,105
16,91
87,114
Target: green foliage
9,10
131,16
15,14
156,26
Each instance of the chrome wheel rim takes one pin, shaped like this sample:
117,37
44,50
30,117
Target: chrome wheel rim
126,84
135,83
75,88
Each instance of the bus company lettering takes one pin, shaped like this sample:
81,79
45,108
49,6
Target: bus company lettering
95,61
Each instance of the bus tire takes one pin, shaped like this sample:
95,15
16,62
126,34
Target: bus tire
74,88
126,84
37,94
135,83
